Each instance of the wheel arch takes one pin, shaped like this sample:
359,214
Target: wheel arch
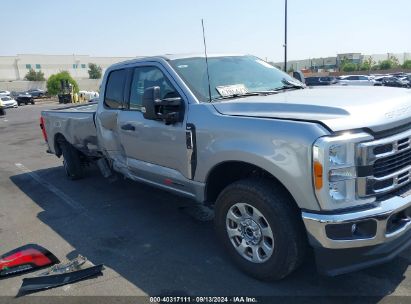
58,140
227,172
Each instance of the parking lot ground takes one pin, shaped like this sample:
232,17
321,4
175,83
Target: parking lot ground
147,242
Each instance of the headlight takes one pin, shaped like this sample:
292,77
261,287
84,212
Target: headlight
335,172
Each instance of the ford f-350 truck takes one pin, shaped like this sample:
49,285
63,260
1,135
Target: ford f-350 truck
285,168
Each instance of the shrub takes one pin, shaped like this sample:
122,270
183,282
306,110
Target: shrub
407,64
385,64
54,82
349,67
32,75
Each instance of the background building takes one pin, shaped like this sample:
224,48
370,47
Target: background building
332,64
16,67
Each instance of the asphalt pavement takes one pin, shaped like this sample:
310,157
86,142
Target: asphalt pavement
148,242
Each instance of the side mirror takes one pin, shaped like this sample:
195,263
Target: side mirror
150,97
155,108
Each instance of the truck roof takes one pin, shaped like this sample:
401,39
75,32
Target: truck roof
172,57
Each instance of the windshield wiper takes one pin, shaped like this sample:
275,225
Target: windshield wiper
263,93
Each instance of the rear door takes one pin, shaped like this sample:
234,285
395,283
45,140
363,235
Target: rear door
113,105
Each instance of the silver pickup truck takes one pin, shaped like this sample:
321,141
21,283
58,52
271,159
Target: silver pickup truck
285,168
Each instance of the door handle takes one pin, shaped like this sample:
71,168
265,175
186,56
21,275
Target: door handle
128,127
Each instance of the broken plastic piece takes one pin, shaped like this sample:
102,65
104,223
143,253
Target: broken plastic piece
61,274
26,258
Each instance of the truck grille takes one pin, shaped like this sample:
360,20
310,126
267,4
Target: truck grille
390,162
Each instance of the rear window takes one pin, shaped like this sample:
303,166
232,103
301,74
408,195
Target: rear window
114,94
5,98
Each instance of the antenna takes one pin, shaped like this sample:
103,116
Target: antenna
206,58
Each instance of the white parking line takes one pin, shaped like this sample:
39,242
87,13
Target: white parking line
64,197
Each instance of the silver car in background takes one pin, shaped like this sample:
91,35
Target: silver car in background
357,80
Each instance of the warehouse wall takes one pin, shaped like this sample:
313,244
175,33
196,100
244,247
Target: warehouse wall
16,67
22,85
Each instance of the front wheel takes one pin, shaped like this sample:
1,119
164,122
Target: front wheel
260,228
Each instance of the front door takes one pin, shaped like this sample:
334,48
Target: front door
155,151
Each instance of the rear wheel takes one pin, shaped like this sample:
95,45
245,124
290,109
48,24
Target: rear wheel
259,226
72,161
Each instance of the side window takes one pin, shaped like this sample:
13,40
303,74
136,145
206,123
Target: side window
145,77
115,89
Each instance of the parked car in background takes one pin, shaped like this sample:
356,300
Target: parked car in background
379,79
395,82
320,81
406,79
37,93
7,102
359,80
22,98
4,93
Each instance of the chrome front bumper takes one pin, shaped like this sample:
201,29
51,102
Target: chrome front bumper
382,213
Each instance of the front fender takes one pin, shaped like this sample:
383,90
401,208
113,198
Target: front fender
282,148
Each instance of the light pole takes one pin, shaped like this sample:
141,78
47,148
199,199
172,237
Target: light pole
285,36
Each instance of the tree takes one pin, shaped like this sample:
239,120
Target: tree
54,82
407,64
390,63
94,71
367,64
349,67
343,62
395,62
385,64
32,75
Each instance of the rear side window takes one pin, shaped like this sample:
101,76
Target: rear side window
114,94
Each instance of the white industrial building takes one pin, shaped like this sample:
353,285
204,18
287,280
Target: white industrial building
332,63
16,67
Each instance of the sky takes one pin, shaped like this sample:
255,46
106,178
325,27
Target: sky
316,28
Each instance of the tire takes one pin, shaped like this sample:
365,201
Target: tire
278,214
2,112
32,101
72,161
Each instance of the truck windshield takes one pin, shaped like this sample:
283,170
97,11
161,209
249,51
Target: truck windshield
229,76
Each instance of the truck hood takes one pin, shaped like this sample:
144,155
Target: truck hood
339,108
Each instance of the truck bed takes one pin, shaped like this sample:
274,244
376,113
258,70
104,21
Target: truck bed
76,124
